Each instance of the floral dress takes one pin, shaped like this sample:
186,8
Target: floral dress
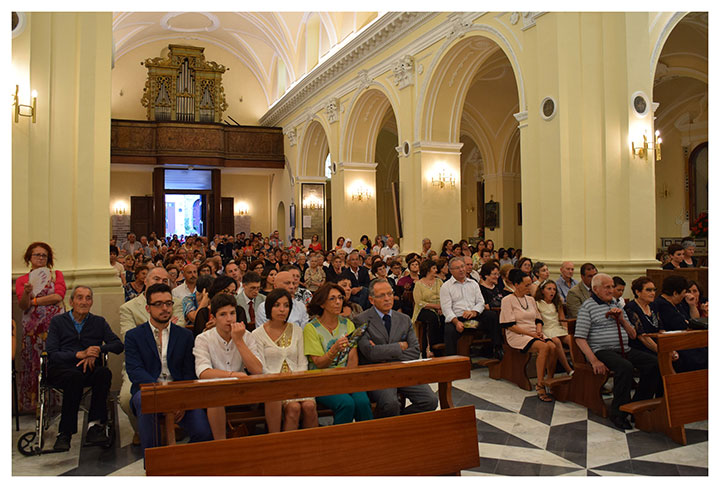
36,322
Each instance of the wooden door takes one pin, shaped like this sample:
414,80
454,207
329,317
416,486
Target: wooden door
141,215
227,215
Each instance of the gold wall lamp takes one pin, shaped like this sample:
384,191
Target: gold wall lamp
19,107
443,179
641,149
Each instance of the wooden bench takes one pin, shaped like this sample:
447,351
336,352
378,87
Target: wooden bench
584,387
452,431
686,394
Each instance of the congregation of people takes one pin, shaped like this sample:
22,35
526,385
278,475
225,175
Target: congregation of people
242,305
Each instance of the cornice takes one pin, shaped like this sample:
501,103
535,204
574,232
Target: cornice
378,36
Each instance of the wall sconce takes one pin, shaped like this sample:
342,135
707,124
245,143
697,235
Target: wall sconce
313,203
242,209
443,179
19,106
120,209
641,150
361,193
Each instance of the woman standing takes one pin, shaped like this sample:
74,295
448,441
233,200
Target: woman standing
280,350
325,338
39,307
521,318
426,295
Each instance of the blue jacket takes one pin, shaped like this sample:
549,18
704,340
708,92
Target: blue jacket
142,361
63,340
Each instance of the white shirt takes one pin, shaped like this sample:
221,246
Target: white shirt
212,352
182,291
165,334
120,270
272,356
456,298
298,315
389,252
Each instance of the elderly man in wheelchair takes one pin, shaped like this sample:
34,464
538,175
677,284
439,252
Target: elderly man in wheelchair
75,344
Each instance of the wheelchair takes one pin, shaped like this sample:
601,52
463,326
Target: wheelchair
48,412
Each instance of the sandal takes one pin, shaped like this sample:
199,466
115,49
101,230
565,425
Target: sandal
542,394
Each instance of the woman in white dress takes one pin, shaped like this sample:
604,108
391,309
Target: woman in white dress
280,348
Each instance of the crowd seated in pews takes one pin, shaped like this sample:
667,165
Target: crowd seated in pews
245,304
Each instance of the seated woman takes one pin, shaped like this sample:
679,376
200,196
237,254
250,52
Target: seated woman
525,265
521,318
405,286
677,256
137,286
643,314
504,257
443,269
427,309
689,260
379,244
203,320
553,314
280,349
268,281
349,309
326,345
699,298
490,246
339,243
540,273
315,274
507,287
224,351
446,250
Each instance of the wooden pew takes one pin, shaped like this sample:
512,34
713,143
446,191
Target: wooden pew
686,394
184,395
584,387
696,274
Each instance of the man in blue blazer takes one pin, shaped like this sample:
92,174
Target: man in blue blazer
390,337
75,341
160,351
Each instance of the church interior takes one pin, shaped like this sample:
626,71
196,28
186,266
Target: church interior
574,136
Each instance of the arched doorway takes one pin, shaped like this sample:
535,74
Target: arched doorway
315,201
681,89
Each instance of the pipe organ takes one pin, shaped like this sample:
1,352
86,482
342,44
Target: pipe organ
184,87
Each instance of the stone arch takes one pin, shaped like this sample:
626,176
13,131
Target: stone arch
669,26
367,112
314,148
453,68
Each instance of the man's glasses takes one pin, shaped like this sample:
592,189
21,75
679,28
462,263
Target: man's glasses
168,304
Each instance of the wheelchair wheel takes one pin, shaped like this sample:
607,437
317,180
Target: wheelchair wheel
26,444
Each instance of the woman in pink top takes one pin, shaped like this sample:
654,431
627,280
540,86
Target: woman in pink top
39,307
523,323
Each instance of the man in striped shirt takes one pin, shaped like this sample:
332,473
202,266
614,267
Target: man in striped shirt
602,331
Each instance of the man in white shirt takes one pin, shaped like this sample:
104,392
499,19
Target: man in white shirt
390,250
224,351
298,315
462,304
190,273
131,245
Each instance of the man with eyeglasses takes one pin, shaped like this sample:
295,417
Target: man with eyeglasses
132,314
151,356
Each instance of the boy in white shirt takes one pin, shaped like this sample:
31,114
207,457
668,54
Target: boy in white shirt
224,352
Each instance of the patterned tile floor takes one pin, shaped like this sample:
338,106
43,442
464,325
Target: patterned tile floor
518,435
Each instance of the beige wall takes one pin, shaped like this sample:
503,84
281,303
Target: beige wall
253,190
128,78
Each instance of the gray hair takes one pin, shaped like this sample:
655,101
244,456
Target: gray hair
77,287
598,279
456,259
426,239
688,243
371,286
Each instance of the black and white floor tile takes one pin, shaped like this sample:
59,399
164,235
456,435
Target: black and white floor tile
518,435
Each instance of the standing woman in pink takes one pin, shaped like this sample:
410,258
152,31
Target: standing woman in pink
40,294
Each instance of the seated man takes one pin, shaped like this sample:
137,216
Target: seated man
302,294
152,355
566,280
577,295
461,301
224,352
298,314
598,332
359,280
391,337
390,250
249,297
132,314
75,341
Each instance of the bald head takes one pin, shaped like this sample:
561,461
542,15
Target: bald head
157,275
284,280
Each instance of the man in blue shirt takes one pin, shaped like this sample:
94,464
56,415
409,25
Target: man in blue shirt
74,343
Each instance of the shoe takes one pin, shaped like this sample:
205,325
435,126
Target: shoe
62,443
96,436
136,439
543,394
499,353
621,423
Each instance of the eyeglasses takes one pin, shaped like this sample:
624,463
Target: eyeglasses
38,255
650,289
168,304
384,295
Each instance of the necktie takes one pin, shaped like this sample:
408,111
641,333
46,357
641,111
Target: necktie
251,310
388,322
